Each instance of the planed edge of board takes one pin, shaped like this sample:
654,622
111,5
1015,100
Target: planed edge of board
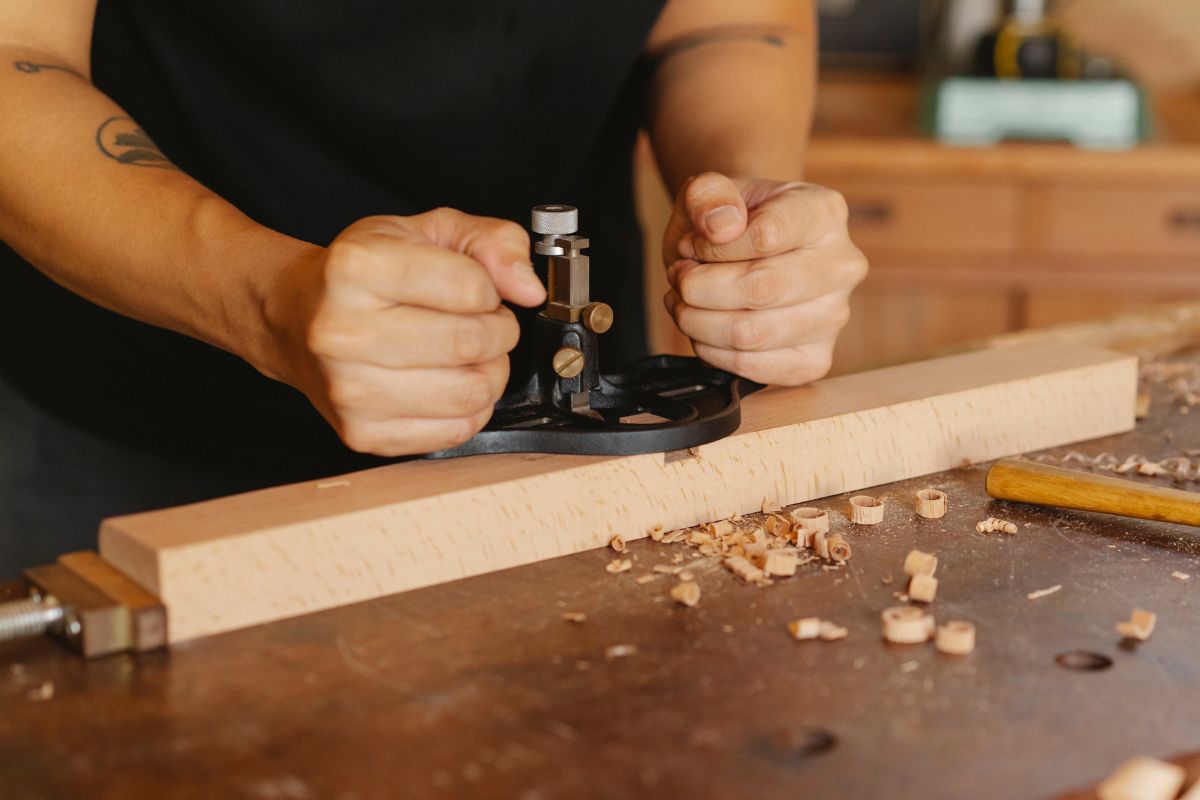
276,553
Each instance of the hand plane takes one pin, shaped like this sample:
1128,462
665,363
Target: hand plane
566,405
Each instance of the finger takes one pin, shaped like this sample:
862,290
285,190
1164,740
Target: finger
406,337
384,263
776,282
714,206
796,215
366,392
793,366
402,437
501,246
767,329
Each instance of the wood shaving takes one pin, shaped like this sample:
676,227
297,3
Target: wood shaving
807,628
931,504
866,510
907,625
686,575
992,524
620,651
667,569
923,588
886,580
955,637
1139,626
769,506
741,566
617,544
1180,576
918,562
1151,468
831,632
1040,593
619,565
574,616
656,533
837,548
686,593
642,580
780,562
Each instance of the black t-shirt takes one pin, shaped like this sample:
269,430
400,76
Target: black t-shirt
308,116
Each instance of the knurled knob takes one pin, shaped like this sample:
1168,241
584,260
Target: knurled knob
555,219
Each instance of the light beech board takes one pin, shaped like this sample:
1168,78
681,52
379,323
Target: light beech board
266,555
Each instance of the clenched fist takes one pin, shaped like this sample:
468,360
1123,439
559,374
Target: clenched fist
761,274
396,331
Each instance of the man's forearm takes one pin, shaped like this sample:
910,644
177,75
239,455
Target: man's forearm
89,199
734,98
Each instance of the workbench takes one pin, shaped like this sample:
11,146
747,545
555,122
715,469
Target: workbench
480,688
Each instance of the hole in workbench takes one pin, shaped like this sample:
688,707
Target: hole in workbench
802,741
1083,661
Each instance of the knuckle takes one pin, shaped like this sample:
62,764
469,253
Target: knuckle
836,204
745,333
347,261
473,392
761,285
768,232
456,431
359,439
329,338
856,267
477,293
507,229
468,339
346,395
841,315
745,363
700,186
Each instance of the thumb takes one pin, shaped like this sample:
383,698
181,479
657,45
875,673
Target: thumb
715,206
502,247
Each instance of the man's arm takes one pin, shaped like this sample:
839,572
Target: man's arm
760,265
398,359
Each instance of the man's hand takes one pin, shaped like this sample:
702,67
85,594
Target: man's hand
396,331
761,274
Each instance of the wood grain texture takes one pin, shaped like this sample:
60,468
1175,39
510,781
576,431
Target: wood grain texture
1048,485
266,555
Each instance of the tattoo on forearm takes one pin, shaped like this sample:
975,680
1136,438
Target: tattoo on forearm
771,35
123,141
31,68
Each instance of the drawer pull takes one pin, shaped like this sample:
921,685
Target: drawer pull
1186,220
873,213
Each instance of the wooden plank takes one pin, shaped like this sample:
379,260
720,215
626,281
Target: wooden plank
266,555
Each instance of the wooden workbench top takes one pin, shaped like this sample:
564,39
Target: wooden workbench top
480,688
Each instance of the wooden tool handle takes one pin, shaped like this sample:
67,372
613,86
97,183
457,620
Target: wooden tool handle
1030,482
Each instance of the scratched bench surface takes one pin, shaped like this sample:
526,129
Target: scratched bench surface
480,688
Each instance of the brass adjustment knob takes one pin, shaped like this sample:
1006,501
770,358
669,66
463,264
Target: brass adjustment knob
568,362
598,317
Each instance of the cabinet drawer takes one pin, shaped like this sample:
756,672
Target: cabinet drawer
967,217
1131,221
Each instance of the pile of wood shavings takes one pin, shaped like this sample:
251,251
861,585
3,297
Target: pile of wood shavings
1183,468
757,549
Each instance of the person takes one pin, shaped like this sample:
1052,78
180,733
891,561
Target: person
210,205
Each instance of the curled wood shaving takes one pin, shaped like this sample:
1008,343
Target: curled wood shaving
574,616
806,628
642,580
619,565
1139,626
617,544
667,569
991,524
656,533
686,593
1180,576
831,632
1043,592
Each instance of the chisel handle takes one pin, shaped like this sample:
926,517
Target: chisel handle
1042,484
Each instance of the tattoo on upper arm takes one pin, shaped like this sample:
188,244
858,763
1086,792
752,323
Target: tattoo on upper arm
123,141
771,35
31,68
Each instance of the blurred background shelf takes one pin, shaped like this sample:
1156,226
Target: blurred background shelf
971,242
